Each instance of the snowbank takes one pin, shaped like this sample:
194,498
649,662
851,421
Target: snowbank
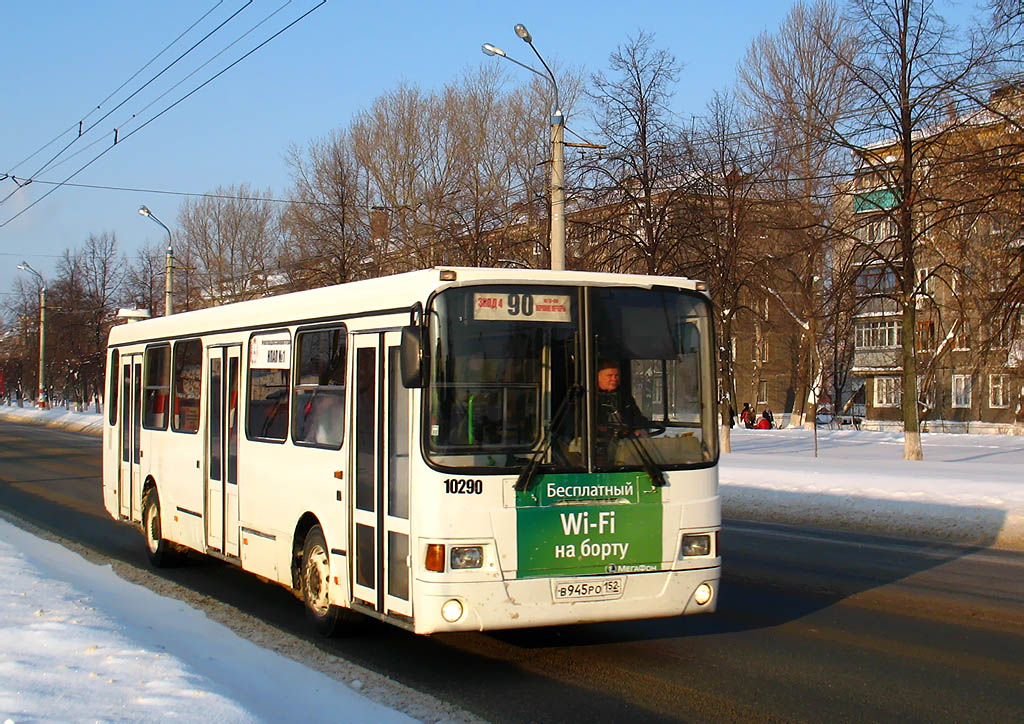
968,489
89,422
81,644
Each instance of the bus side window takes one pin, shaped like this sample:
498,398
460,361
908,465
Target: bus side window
157,387
269,384
318,400
114,382
188,367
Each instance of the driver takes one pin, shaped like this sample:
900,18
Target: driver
617,414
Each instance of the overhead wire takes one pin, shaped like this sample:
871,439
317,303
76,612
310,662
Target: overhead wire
113,93
706,140
165,110
176,85
132,95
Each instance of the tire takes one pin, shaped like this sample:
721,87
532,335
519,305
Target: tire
161,552
326,618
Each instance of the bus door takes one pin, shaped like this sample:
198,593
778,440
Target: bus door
222,428
380,500
129,479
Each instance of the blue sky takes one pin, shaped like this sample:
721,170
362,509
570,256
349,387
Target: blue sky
62,58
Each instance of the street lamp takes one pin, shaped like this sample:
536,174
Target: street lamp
169,258
24,266
557,148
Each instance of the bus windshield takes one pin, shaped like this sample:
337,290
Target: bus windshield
516,379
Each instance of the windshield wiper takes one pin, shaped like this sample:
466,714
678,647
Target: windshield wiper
527,473
655,473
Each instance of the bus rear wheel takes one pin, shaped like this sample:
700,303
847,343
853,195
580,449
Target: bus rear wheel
327,619
160,551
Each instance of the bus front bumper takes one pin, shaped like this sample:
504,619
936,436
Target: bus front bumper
530,602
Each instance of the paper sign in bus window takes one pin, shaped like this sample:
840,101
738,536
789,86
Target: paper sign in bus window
270,352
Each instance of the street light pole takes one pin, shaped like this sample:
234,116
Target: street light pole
557,148
24,266
169,263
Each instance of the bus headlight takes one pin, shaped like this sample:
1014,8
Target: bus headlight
451,610
703,594
467,557
695,545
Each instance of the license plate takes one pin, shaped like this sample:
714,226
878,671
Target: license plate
592,589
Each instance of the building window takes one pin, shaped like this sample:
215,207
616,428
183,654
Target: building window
997,387
881,229
962,336
962,279
925,281
888,392
732,348
999,335
157,386
924,397
759,352
762,392
961,391
878,334
318,398
926,335
877,279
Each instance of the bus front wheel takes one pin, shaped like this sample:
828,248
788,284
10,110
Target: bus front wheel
326,618
160,551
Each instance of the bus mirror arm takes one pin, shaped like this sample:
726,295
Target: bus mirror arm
414,359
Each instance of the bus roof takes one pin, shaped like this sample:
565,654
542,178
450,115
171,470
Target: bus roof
396,293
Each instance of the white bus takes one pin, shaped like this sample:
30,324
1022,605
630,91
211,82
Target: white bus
430,448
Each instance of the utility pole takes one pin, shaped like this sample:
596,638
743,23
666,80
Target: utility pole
168,287
557,188
169,264
557,148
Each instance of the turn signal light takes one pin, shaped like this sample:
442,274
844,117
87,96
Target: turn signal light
435,557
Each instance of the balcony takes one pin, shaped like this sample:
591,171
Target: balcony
877,200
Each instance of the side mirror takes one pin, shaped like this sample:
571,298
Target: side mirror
414,356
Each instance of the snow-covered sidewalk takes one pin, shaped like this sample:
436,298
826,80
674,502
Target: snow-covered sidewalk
90,422
79,644
968,489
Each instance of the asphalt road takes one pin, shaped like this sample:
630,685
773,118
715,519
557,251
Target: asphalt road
812,625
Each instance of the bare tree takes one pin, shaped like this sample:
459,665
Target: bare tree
724,241
144,278
329,226
908,73
639,184
795,84
233,242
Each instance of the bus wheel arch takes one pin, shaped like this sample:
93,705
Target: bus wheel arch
160,551
302,528
314,570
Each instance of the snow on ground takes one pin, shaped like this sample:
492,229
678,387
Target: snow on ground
968,488
80,644
91,422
